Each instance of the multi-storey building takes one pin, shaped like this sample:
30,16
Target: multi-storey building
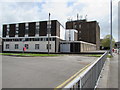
42,37
33,35
88,31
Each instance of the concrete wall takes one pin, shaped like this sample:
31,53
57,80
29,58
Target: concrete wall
71,35
76,47
42,47
87,47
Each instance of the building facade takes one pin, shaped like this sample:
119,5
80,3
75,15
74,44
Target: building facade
71,35
33,36
43,35
118,44
76,46
88,31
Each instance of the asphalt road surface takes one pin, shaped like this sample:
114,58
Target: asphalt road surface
40,72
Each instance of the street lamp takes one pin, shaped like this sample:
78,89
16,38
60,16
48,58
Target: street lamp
23,40
49,27
111,27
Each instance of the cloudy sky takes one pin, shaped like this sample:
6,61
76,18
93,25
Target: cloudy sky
12,11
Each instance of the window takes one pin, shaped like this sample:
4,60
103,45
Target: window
7,46
36,39
41,39
36,46
37,27
27,46
17,29
48,46
16,46
7,29
80,26
26,28
75,26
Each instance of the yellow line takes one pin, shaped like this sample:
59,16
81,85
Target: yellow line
77,76
67,81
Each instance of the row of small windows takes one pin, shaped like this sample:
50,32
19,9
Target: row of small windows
37,46
27,27
31,39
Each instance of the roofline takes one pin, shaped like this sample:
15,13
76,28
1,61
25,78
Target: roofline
29,22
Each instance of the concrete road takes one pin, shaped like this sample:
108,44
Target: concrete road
40,72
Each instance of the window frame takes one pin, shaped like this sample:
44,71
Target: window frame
27,46
16,46
37,46
7,46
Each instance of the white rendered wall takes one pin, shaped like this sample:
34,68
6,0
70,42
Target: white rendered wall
70,33
42,47
62,33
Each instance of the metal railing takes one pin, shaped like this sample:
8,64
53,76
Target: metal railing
89,77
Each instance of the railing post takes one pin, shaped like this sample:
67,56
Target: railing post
80,84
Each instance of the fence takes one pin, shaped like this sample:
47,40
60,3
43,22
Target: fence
89,77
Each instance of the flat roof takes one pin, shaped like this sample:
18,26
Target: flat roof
77,42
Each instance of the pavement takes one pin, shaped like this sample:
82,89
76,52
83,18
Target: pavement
110,76
40,72
0,72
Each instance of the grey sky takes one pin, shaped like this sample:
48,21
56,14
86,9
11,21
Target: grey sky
61,10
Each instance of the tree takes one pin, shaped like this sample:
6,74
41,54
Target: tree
106,42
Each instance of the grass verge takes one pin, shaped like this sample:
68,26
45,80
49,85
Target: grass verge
109,56
28,54
94,55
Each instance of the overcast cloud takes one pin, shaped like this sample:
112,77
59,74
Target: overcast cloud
13,11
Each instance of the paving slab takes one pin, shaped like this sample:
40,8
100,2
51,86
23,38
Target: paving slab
109,76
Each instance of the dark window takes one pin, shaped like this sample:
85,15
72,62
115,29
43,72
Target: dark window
7,46
53,39
48,46
41,39
47,39
36,46
36,39
16,46
32,39
27,46
20,39
26,39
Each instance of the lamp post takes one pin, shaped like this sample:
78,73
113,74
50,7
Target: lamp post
111,27
23,40
49,27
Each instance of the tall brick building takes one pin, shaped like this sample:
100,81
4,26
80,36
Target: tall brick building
88,31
